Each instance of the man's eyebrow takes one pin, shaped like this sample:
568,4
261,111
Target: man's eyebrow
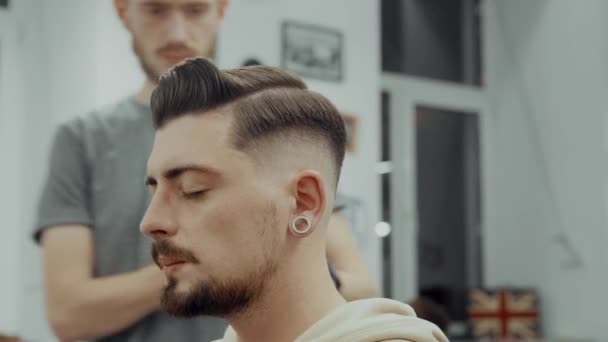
180,170
154,4
194,4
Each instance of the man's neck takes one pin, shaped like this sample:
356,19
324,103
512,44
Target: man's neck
290,307
143,96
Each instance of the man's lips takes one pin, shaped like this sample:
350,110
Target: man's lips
176,57
164,261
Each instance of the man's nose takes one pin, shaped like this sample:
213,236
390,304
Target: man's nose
158,221
177,28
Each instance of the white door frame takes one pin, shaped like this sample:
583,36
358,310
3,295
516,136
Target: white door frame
407,92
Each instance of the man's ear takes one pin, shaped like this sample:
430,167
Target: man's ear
308,189
121,10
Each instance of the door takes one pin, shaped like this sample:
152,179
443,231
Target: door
433,188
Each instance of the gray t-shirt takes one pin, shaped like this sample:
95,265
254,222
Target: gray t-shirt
96,178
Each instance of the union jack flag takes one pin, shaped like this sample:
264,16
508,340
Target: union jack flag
504,313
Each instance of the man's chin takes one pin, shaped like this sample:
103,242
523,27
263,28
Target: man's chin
185,299
155,70
177,286
167,63
183,288
175,299
172,61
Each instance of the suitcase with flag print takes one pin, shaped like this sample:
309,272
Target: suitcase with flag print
504,314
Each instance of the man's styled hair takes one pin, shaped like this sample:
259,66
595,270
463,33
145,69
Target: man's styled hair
264,102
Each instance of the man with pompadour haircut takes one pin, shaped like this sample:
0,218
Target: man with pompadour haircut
243,175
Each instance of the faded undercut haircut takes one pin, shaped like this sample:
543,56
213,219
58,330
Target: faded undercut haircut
265,102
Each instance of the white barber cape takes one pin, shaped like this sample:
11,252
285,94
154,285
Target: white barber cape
368,320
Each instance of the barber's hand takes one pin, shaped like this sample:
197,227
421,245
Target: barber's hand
156,277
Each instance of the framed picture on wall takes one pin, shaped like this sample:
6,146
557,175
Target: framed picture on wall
350,125
312,51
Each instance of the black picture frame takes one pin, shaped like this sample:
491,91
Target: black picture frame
312,51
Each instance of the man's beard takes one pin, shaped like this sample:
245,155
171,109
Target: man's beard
154,75
221,298
217,298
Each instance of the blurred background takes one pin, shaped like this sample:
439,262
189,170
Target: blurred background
478,157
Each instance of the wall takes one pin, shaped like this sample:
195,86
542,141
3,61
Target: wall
75,56
39,48
546,81
11,102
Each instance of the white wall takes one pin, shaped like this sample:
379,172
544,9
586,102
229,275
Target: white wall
546,78
75,56
24,127
40,51
11,106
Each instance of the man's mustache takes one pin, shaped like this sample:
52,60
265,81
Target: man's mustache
168,249
179,48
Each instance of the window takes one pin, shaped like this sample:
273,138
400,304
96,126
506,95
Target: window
438,39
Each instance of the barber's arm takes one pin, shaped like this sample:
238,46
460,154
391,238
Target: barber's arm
80,306
352,274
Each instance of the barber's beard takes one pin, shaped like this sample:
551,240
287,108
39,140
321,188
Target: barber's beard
218,298
154,75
